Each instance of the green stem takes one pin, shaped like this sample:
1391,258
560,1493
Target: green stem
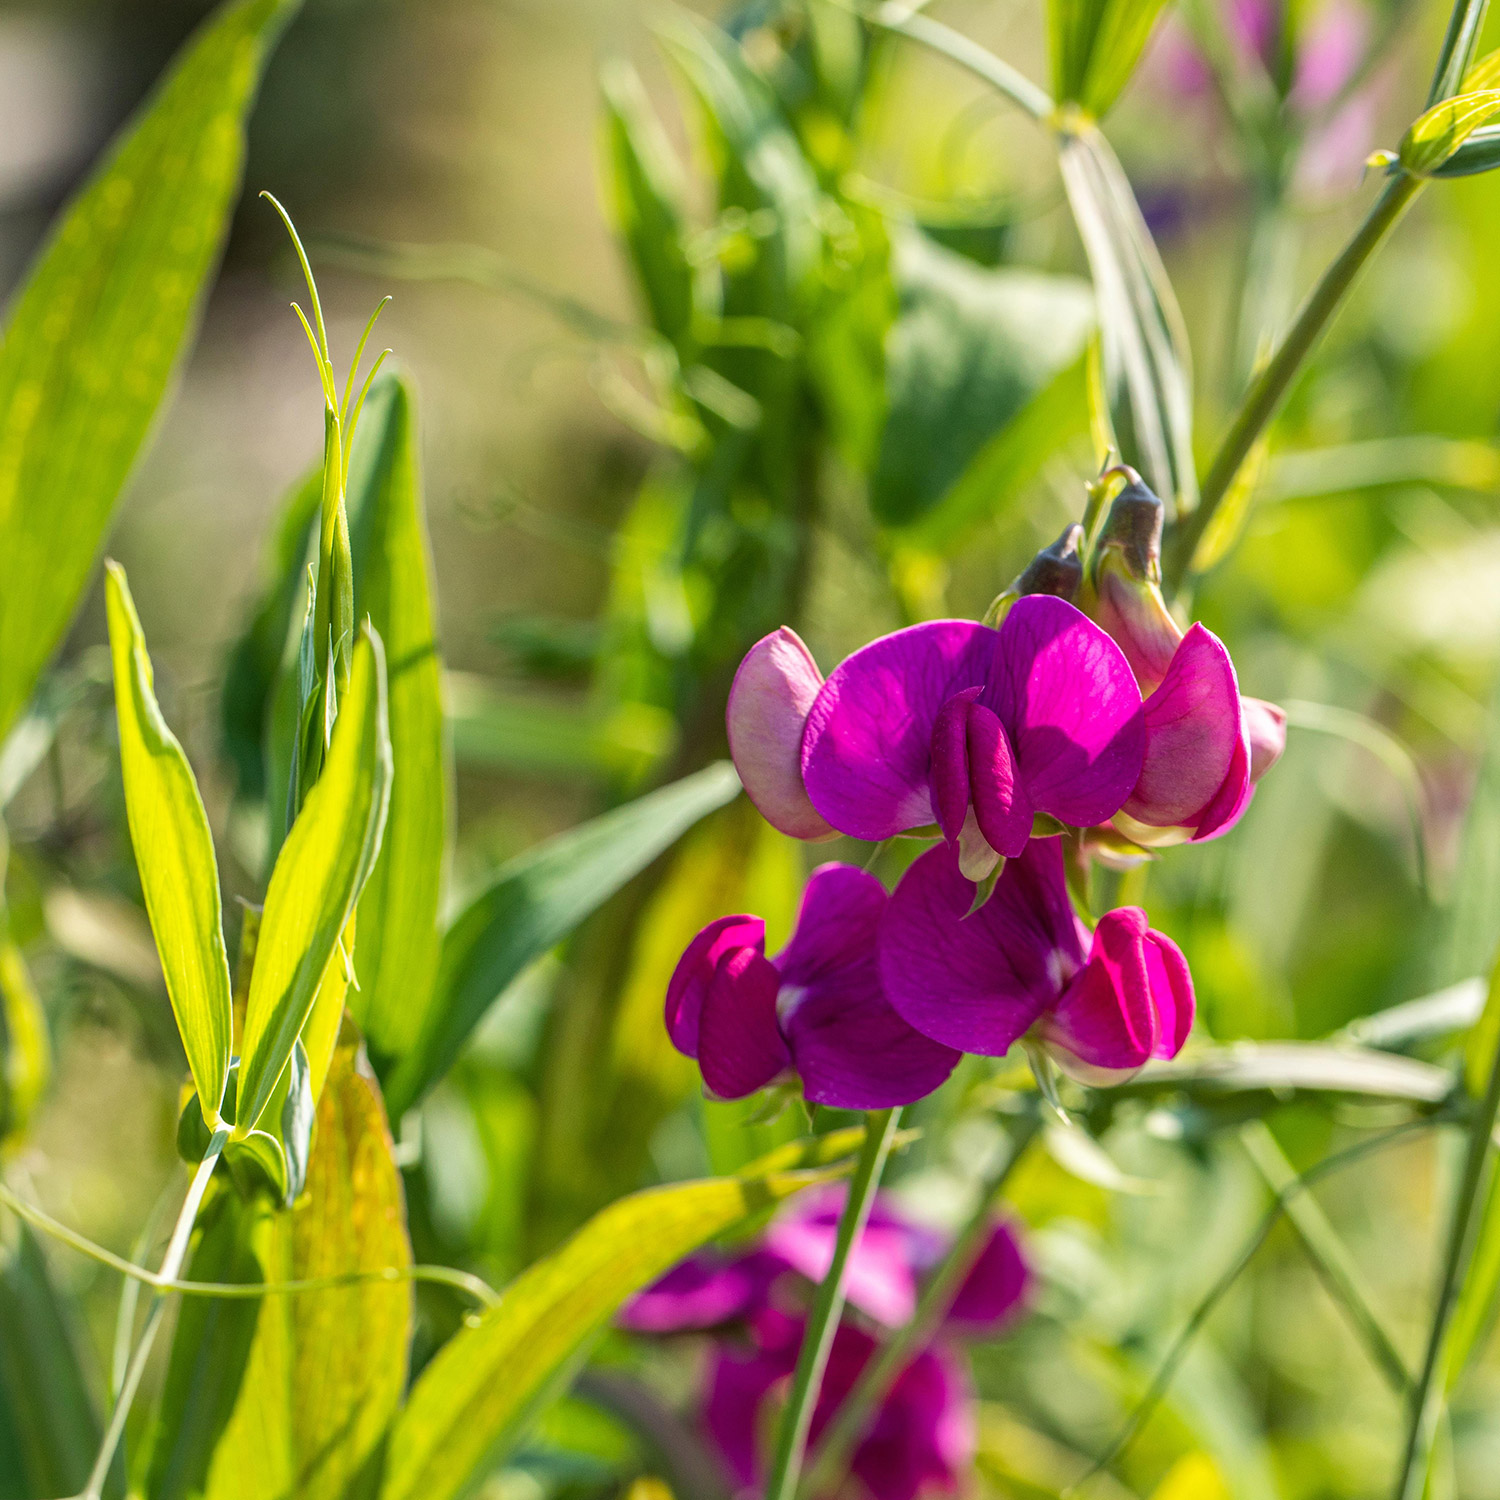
875,1381
171,1264
1427,1398
828,1307
1266,393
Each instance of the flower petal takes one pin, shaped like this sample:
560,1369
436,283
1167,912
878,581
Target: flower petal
837,923
949,775
740,1047
739,1385
1193,728
1265,724
1070,704
1233,797
1171,992
768,704
704,1291
996,1287
1106,1017
688,987
867,748
978,982
1001,806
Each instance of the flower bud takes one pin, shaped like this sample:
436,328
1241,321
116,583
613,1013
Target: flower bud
1127,585
1265,723
1057,570
768,706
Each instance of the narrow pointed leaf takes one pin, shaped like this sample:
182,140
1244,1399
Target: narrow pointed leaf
474,1400
535,902
396,955
100,322
319,874
174,854
1095,47
1438,134
25,1049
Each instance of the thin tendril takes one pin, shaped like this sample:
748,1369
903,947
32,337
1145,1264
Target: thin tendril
325,370
312,286
359,354
359,405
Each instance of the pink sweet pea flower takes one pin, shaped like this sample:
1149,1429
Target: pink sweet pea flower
816,1009
1023,962
977,730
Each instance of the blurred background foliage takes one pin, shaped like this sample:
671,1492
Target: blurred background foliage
771,326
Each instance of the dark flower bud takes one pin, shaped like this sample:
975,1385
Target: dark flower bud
1056,570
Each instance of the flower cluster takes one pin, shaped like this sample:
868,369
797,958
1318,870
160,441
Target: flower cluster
751,1305
1086,717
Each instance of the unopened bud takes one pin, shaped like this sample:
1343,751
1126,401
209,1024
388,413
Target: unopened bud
1127,585
1057,570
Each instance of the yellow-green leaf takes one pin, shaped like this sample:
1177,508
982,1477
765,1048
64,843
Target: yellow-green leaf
1437,135
25,1051
327,1367
1095,47
396,955
100,322
319,874
474,1399
174,853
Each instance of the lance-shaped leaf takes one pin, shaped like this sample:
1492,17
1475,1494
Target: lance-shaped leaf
473,1401
25,1051
319,874
535,901
327,1368
1437,135
100,322
174,854
396,955
1095,47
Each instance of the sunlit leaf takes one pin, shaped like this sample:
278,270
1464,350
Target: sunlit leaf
1095,47
49,1430
474,1400
25,1051
318,877
534,902
174,854
327,1367
1436,135
396,952
969,349
100,322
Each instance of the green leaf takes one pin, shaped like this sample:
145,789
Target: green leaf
1095,47
100,322
1435,136
174,853
25,1051
1473,923
396,952
646,201
49,1430
319,874
537,900
328,1367
210,1352
1479,153
969,350
473,1401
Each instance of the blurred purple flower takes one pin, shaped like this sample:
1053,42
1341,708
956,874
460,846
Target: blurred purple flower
817,1009
977,730
922,1435
1023,962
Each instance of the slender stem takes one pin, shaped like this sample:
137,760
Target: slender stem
1265,395
171,1264
1464,24
828,1307
876,1379
1427,1398
1330,1259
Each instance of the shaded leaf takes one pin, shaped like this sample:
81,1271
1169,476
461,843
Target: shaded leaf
534,902
969,349
318,877
473,1401
1095,47
99,325
396,954
174,854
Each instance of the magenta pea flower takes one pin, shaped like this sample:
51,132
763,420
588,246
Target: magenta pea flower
816,1010
977,730
1024,964
922,1435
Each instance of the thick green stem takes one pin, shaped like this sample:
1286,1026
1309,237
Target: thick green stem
1427,1398
171,1264
875,1381
1270,387
828,1307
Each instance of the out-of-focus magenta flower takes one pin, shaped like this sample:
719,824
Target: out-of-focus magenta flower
922,1436
768,703
816,1009
1023,962
977,730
